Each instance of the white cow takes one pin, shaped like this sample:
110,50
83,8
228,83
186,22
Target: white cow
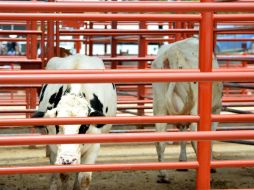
76,100
180,98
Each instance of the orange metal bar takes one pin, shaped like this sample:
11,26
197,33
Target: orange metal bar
205,99
20,32
122,17
130,77
142,52
224,99
130,120
28,41
124,71
238,99
133,137
28,103
97,167
94,120
57,39
150,58
43,54
113,42
123,7
34,41
90,42
122,166
50,37
129,32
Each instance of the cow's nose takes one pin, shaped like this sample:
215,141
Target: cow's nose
68,161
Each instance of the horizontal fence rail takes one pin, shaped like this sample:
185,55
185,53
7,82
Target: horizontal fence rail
120,138
124,71
124,7
130,77
129,120
122,166
122,17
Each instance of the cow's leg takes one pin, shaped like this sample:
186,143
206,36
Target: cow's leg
183,152
160,148
54,182
214,127
193,127
83,179
52,157
67,180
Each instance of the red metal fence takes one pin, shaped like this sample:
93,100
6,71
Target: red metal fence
207,18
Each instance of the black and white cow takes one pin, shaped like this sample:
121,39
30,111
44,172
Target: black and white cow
180,98
75,100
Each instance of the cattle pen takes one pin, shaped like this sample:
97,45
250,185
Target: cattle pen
46,25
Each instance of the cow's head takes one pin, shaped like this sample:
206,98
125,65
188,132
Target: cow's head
71,105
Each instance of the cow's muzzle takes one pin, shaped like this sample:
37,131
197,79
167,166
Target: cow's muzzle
67,160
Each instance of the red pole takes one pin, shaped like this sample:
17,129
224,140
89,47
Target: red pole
43,44
124,7
57,40
33,41
178,25
28,40
90,48
32,92
77,44
205,99
50,38
142,65
114,46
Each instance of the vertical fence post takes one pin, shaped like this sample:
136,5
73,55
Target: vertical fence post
205,99
113,46
34,41
28,41
57,49
50,38
90,42
77,43
142,51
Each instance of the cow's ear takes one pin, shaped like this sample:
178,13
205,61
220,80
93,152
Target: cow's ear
51,113
95,113
38,114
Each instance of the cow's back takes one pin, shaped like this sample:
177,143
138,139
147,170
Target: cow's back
75,62
104,92
183,54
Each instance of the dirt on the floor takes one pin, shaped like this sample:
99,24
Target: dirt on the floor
131,180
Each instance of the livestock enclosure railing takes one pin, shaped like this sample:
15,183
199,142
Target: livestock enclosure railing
204,75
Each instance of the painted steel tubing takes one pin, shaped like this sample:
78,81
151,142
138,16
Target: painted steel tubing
128,120
122,17
104,17
97,167
123,7
121,167
130,77
124,71
98,120
144,32
133,137
20,32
